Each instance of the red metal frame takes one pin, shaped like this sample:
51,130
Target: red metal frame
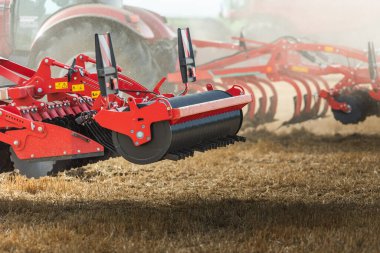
284,60
23,114
35,140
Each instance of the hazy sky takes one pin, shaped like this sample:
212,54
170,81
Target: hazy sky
175,8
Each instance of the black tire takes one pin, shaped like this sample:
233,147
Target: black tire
132,52
361,107
6,165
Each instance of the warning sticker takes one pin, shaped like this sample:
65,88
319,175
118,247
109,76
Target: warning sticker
61,85
329,49
300,69
77,87
95,94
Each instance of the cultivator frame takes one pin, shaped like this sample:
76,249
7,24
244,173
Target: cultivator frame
303,65
84,115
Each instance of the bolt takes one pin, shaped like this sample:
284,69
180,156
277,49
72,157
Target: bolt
32,155
46,61
49,86
16,143
148,138
137,143
143,126
138,93
42,104
64,152
40,129
81,57
78,151
75,78
349,109
140,135
132,131
39,90
98,149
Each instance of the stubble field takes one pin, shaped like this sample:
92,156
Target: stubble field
289,191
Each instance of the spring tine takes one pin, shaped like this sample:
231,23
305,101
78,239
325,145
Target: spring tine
252,105
295,117
317,103
260,113
308,97
263,101
297,99
326,105
271,113
272,110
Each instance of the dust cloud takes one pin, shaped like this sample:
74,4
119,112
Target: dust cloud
343,22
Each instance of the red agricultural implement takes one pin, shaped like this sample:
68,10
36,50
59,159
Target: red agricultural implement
309,68
50,123
357,95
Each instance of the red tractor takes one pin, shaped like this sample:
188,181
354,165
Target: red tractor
62,29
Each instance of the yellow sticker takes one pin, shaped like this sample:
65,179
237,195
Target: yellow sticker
77,87
300,69
329,49
61,85
95,94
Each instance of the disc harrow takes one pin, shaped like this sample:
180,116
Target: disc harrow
52,123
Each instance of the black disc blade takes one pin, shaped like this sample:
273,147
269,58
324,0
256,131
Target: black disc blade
150,152
32,169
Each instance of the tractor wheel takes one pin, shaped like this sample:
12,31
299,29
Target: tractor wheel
31,169
360,104
132,52
6,165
